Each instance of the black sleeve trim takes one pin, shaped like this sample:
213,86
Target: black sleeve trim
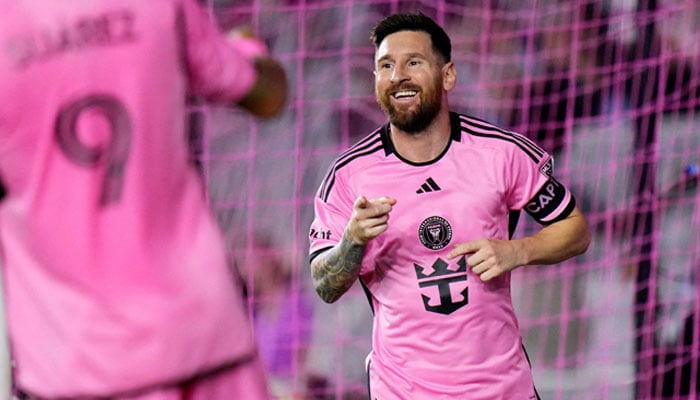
567,211
316,253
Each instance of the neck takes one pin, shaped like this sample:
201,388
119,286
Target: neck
426,145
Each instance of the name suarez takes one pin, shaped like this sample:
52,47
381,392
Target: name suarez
105,29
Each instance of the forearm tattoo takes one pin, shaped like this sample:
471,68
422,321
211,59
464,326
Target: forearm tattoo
335,271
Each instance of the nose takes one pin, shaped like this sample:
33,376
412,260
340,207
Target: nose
398,74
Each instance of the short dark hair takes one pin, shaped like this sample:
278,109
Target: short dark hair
418,22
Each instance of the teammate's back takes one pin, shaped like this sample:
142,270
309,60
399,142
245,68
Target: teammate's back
115,270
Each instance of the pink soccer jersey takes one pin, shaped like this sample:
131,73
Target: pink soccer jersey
439,331
114,269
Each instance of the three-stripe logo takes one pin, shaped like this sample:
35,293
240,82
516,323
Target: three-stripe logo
429,186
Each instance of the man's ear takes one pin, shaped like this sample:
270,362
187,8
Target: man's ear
449,76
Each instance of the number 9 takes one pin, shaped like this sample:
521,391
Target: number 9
113,155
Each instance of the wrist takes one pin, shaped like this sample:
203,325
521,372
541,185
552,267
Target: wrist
523,251
350,238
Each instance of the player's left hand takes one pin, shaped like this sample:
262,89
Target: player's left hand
490,258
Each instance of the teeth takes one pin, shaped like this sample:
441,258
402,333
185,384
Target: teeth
405,93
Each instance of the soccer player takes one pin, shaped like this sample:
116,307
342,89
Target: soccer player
422,211
115,273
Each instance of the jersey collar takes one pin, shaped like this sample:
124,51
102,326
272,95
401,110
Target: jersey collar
389,149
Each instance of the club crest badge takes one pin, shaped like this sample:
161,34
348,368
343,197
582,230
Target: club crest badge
435,233
547,167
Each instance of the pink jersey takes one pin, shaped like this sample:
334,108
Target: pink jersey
114,269
439,331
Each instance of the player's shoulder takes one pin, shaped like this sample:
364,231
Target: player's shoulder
362,153
370,146
480,132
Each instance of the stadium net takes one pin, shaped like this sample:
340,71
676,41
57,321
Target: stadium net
609,87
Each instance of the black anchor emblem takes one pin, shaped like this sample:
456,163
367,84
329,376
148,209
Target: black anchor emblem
442,278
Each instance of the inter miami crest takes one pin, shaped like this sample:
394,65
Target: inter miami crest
435,233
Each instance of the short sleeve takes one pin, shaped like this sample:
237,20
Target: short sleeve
533,187
332,210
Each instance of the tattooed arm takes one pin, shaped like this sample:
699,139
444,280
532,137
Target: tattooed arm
334,271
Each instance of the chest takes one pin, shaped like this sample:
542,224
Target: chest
463,195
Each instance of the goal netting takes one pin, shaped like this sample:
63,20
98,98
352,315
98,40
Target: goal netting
609,87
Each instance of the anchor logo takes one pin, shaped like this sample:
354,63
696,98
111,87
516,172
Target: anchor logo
442,277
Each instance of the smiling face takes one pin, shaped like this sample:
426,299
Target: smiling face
410,80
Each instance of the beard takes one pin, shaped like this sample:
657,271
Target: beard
412,121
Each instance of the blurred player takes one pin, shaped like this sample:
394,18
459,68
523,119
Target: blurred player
115,274
422,210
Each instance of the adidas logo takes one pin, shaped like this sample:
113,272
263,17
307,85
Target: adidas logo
429,186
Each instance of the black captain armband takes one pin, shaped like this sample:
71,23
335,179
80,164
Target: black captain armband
552,203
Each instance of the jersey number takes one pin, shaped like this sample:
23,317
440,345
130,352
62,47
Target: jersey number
111,156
